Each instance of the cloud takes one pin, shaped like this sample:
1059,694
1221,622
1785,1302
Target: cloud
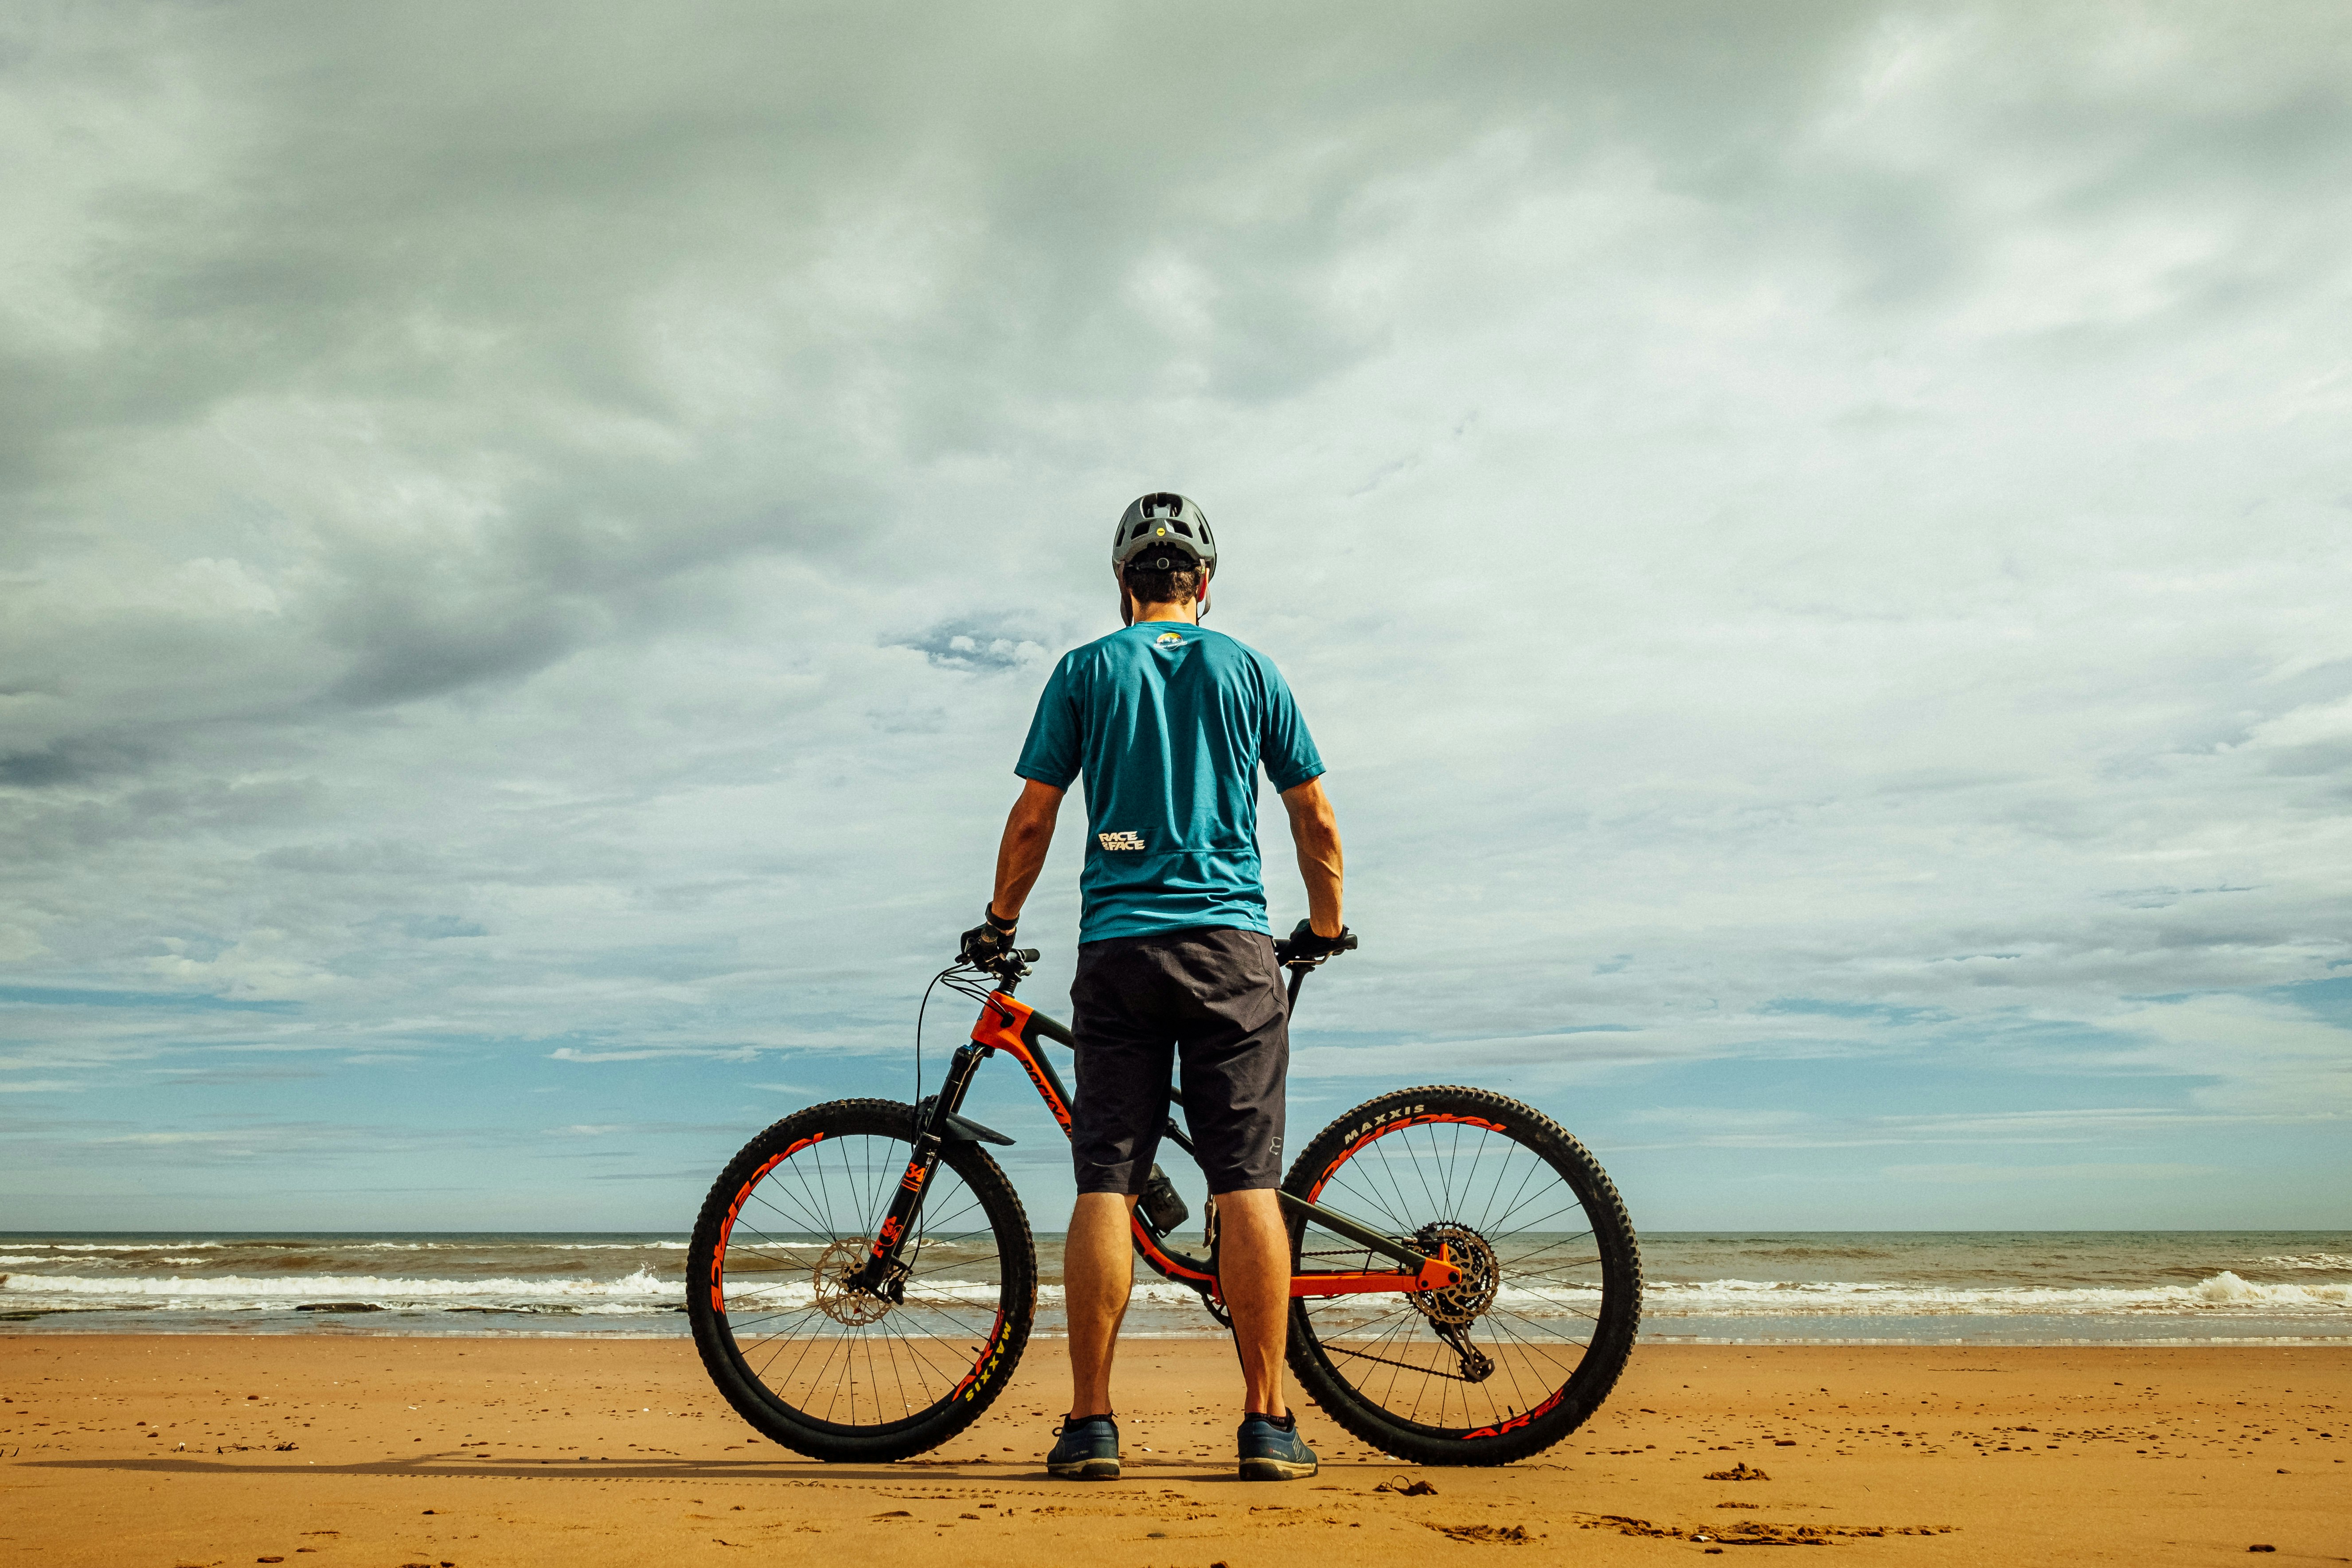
1803,534
1969,1176
968,645
1739,1127
567,1054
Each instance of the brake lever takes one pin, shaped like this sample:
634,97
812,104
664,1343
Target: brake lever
1013,964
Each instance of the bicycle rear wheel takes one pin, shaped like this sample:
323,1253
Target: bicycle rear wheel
1519,1354
840,1374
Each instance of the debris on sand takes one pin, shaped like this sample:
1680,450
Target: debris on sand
1742,1471
1756,1532
1406,1487
1624,1525
1485,1534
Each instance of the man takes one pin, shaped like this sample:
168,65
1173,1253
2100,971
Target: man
1170,724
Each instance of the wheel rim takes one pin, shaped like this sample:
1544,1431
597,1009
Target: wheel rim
828,1357
1495,1350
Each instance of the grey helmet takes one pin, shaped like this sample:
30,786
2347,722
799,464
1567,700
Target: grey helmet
1165,521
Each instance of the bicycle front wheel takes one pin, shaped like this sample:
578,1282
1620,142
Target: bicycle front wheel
1524,1349
834,1372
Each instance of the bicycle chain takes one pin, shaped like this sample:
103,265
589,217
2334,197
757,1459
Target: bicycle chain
1430,1371
1482,1372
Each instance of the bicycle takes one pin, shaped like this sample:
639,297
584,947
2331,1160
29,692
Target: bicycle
861,1279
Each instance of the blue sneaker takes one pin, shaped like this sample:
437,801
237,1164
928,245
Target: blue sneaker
1088,1450
1273,1450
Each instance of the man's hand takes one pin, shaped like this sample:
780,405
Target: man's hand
986,944
1305,944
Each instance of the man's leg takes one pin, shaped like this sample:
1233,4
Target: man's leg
1125,1052
1098,1272
1254,1275
1235,1050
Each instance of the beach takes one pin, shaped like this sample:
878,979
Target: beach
384,1451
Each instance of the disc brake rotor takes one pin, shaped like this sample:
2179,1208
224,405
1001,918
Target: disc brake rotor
835,1266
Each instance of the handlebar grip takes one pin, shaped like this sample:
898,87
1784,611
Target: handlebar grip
1284,953
1026,954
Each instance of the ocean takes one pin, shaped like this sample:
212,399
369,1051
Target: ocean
1893,1286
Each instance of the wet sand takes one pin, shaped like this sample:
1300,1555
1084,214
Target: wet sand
349,1450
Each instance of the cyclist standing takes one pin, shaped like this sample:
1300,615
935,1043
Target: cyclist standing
1168,723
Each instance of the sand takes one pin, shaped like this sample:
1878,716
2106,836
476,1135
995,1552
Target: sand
346,1450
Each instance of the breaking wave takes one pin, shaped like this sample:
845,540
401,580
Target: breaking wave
2221,1292
233,1292
2000,1286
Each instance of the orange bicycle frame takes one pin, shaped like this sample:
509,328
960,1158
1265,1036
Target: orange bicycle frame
1016,1028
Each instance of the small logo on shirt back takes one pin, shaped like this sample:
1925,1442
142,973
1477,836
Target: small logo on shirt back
1121,840
1170,639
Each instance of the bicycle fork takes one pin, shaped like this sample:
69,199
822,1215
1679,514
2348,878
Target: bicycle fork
936,1123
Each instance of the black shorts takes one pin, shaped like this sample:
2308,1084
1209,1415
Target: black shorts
1213,995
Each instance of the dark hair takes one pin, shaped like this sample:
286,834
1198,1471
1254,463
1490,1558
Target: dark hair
1176,585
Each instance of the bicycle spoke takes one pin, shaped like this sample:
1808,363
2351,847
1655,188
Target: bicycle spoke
1535,1280
779,1271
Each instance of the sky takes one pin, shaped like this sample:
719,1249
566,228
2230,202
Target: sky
1812,538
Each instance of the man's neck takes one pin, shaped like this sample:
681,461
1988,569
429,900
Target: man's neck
1189,610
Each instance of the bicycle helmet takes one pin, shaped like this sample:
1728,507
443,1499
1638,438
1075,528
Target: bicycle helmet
1166,524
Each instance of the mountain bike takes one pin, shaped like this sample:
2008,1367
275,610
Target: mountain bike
862,1280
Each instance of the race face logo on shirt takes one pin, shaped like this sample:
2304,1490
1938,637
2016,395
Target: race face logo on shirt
1170,639
1121,840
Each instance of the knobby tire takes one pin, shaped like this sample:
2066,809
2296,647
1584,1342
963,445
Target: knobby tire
924,1369
1558,1251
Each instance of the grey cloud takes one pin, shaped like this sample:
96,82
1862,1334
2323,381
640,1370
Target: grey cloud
406,654
81,760
1817,502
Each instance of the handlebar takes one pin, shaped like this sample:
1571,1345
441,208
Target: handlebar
1285,953
1012,965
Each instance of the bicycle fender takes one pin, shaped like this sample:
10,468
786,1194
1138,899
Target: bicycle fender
964,1130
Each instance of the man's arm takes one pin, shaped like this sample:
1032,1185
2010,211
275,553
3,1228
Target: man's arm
1028,834
1316,831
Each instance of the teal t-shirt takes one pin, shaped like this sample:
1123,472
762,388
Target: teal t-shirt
1170,724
